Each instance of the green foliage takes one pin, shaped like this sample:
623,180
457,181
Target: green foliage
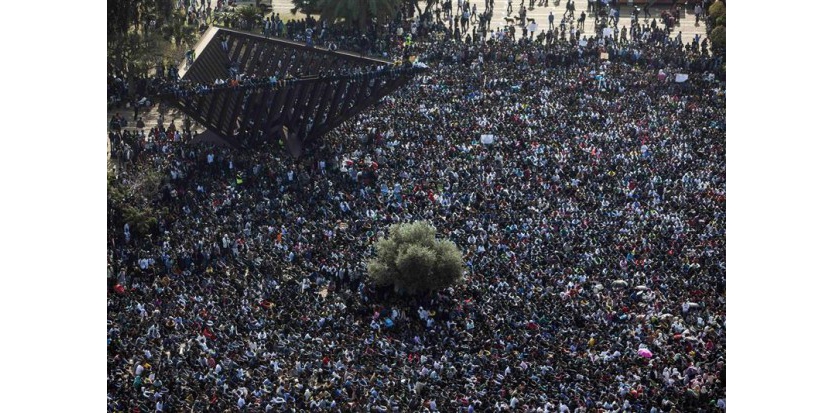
120,15
412,259
133,53
179,32
717,10
359,13
162,9
130,202
141,220
249,14
718,38
132,50
717,18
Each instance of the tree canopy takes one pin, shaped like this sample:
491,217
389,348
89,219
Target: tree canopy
412,259
717,10
718,38
134,204
133,47
717,35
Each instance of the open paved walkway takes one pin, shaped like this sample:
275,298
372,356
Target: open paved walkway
687,25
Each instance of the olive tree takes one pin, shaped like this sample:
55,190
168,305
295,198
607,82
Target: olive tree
411,259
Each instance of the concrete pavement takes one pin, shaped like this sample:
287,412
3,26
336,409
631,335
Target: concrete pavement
687,25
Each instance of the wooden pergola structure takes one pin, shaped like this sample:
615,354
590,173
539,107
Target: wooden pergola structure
317,89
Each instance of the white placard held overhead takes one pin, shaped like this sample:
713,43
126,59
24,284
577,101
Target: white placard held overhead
487,139
680,77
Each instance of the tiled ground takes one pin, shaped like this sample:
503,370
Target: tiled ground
687,25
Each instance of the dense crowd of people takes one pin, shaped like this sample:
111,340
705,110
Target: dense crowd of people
388,40
583,179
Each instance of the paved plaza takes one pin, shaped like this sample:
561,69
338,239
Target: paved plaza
687,20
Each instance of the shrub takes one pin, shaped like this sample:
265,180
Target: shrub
718,38
717,10
412,259
130,202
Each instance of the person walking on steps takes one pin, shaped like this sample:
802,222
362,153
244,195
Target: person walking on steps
697,12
